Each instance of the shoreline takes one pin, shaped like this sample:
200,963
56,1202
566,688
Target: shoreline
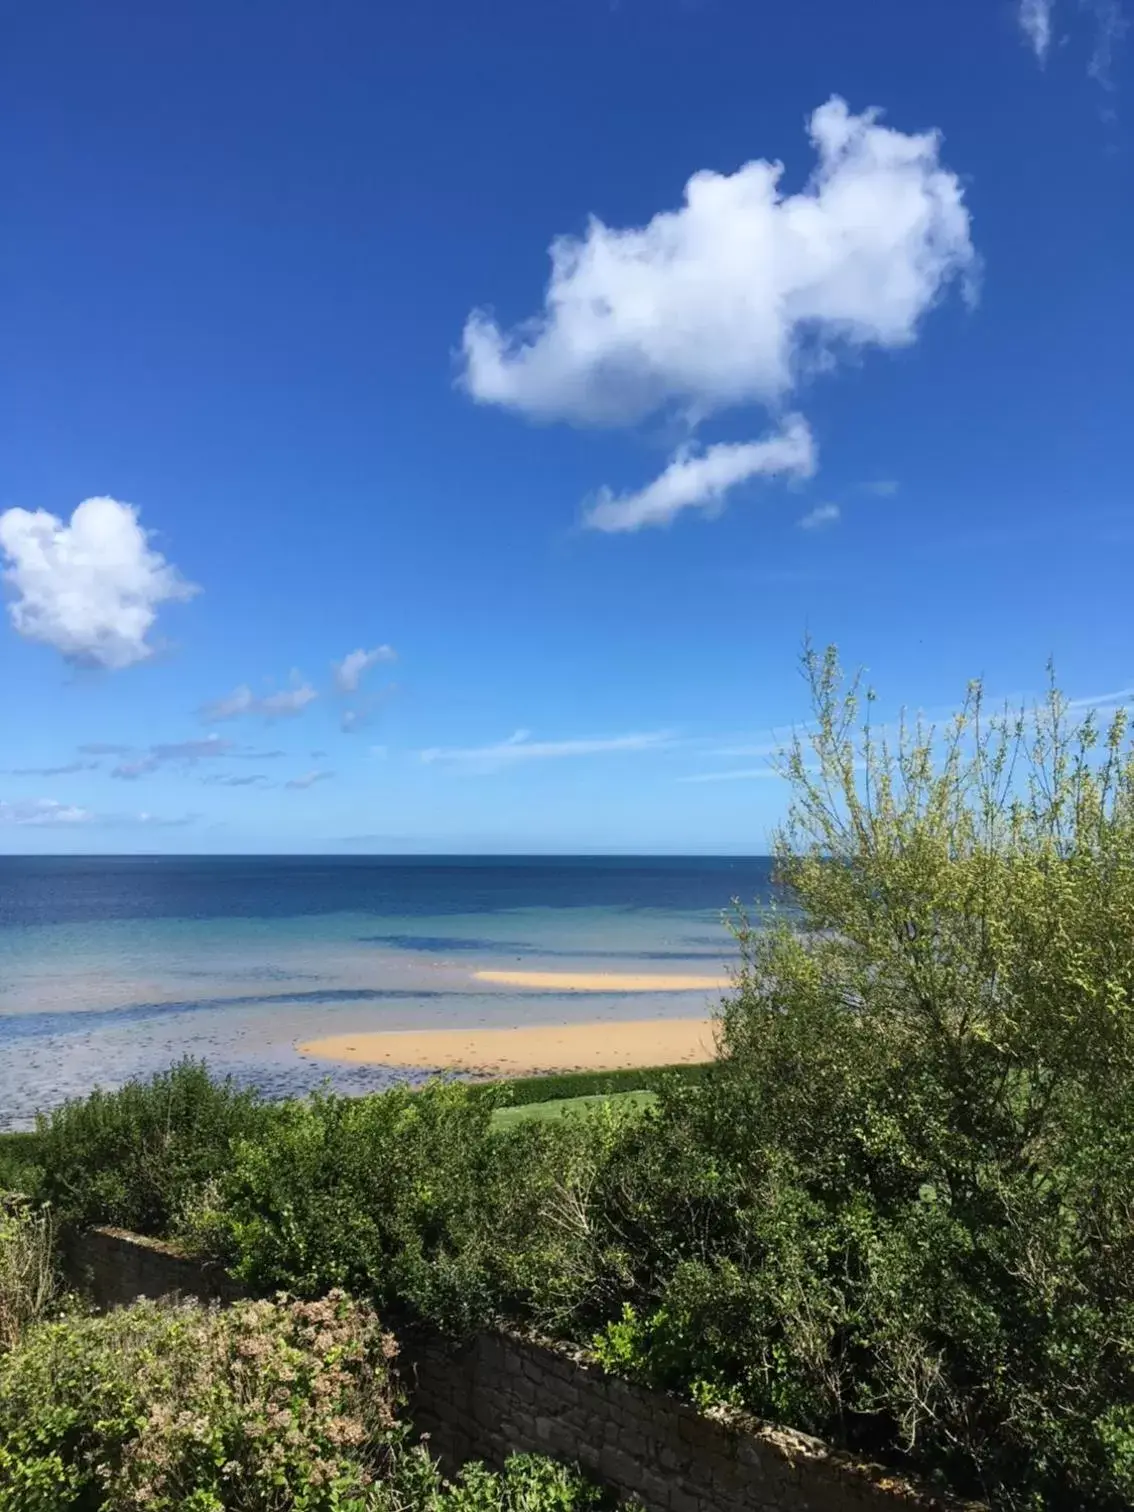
528,1050
605,981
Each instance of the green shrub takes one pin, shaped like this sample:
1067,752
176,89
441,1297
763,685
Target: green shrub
528,1483
29,1280
132,1157
412,1199
19,1165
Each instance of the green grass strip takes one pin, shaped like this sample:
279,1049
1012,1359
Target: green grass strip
566,1085
541,1112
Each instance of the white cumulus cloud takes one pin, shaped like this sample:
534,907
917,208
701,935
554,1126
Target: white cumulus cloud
1035,18
734,296
700,480
820,517
89,588
349,672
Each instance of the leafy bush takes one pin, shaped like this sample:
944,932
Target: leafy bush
29,1283
411,1198
924,1117
19,1166
132,1157
528,1483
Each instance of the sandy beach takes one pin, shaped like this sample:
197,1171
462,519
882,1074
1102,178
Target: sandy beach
529,1050
604,981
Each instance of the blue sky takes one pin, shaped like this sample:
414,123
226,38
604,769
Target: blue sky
275,288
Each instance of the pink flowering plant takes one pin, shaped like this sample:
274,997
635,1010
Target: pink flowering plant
265,1406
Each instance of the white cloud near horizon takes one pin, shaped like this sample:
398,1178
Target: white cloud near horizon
89,588
1035,17
520,747
43,811
701,480
284,704
742,291
349,672
820,517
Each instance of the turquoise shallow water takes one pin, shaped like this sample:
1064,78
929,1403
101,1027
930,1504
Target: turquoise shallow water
111,968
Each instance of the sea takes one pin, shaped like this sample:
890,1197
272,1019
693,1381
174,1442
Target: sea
114,967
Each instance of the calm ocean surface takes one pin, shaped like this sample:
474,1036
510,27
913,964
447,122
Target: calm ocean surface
115,966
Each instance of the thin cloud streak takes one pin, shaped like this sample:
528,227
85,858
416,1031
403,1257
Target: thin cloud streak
749,774
520,748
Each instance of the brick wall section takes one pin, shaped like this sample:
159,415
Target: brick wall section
502,1394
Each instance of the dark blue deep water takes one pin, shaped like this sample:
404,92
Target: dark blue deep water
93,889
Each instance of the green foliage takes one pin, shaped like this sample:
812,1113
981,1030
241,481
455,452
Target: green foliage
939,1065
29,1282
19,1164
412,1198
528,1483
133,1157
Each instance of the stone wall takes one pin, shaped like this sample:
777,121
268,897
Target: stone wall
114,1267
501,1394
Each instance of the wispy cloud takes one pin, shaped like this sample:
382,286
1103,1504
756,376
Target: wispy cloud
180,752
66,770
820,517
520,747
284,704
1103,700
349,672
308,779
235,779
881,488
101,748
1111,26
1035,17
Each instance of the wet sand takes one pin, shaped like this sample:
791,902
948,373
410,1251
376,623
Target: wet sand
528,1051
604,981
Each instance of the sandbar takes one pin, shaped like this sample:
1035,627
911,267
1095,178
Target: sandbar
604,981
529,1050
